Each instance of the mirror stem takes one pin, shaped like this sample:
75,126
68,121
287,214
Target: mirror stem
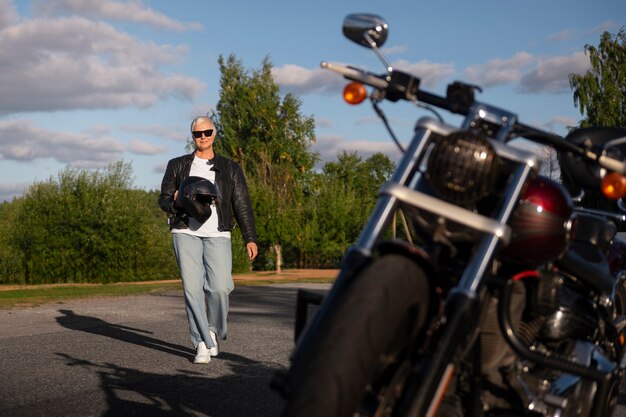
380,55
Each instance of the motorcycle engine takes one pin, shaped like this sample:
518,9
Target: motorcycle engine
513,386
498,361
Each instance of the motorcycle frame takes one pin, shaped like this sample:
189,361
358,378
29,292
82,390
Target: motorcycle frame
402,187
463,302
456,329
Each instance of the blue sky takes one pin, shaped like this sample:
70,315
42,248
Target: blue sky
85,83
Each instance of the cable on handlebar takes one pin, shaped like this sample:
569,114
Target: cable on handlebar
381,114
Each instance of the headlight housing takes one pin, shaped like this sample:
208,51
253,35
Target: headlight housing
462,168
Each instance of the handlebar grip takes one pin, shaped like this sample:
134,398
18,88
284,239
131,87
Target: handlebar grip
381,83
400,85
356,75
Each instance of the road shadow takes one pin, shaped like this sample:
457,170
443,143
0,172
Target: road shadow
130,392
94,325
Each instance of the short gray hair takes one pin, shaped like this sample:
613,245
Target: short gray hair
199,119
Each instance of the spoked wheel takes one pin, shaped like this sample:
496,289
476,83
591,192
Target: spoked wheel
356,361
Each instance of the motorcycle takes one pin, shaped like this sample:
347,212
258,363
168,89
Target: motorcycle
496,295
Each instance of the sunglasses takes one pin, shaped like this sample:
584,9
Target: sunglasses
198,134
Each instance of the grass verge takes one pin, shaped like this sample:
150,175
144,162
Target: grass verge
38,295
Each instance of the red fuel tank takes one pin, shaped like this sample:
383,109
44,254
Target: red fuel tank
540,223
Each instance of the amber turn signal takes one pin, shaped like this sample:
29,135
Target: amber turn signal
614,186
354,93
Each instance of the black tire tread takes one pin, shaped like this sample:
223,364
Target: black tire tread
330,376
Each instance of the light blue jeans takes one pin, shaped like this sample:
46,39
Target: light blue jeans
206,268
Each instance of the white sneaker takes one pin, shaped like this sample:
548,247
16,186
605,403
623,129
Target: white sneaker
215,350
202,355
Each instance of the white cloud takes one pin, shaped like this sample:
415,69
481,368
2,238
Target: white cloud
323,122
99,130
132,11
8,14
498,71
560,121
606,26
144,148
530,74
300,80
166,132
551,75
394,50
329,146
430,73
200,109
70,63
8,190
569,34
563,35
20,140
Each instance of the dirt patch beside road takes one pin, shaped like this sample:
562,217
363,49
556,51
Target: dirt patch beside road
287,274
290,274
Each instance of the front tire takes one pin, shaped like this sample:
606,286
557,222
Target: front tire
367,330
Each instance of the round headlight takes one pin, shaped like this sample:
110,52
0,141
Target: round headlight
462,167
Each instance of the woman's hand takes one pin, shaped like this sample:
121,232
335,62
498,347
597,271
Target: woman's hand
253,250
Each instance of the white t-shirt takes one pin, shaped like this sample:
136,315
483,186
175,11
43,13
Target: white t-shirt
202,168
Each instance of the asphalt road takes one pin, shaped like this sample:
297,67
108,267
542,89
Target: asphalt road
131,356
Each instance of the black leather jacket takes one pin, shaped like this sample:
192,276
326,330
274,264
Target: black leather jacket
233,204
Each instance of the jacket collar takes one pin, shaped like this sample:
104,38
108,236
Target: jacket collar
218,160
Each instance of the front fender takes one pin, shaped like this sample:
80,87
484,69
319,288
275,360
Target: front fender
439,284
413,252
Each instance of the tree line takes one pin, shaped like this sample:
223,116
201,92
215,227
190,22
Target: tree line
93,226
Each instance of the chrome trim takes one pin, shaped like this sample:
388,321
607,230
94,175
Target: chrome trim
481,111
382,213
504,150
434,125
516,154
472,276
356,75
448,210
610,215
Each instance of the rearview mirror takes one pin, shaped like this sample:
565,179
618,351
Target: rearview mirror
367,30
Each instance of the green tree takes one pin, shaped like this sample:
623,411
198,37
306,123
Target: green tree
10,255
266,134
344,195
91,227
601,92
361,177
